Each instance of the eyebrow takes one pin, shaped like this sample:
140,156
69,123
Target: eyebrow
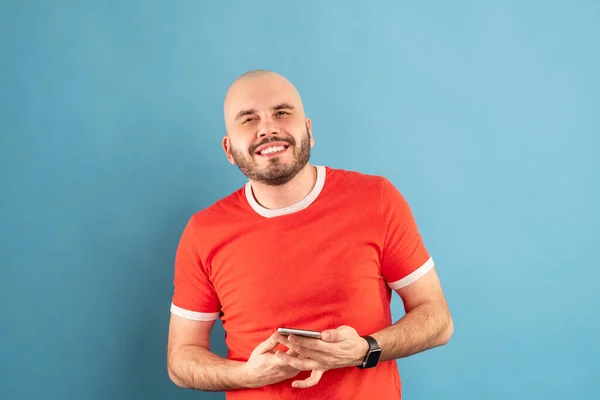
280,106
244,113
283,106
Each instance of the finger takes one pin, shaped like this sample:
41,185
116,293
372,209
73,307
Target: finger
315,377
269,344
319,356
279,360
309,343
298,363
281,338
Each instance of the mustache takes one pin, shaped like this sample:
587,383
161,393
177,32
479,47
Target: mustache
269,140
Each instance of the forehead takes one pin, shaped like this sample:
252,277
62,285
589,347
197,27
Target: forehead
260,93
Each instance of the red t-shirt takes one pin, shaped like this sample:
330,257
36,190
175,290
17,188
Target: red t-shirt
331,259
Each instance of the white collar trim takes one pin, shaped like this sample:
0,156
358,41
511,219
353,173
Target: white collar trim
301,205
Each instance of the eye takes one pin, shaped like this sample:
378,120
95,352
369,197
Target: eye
282,113
247,120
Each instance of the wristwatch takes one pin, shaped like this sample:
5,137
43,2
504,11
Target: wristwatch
372,356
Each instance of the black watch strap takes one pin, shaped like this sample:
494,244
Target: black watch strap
372,357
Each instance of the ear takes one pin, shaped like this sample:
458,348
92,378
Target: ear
226,143
309,128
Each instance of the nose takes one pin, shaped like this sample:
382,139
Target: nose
267,127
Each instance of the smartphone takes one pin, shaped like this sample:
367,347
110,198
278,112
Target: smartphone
299,332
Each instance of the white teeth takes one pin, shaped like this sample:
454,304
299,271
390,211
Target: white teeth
272,150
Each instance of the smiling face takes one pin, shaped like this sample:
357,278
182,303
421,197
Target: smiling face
268,135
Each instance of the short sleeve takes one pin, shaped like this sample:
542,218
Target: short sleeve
404,256
194,296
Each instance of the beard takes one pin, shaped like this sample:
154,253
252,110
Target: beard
277,173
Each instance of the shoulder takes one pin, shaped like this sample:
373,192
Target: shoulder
354,180
366,191
231,207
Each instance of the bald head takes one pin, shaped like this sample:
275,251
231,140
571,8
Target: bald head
259,89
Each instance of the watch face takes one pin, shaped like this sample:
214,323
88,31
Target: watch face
373,358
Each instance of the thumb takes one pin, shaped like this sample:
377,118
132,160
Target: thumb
330,335
269,344
340,334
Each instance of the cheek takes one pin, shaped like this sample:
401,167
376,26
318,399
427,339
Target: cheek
293,125
239,146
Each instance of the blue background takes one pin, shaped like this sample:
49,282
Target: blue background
485,116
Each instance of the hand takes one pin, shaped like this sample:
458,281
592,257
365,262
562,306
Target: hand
315,375
337,348
264,367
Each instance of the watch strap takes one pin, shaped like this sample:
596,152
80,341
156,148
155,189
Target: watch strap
372,357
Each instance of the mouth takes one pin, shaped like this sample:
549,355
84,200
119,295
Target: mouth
272,150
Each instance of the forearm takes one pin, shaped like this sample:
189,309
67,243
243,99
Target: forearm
195,367
426,326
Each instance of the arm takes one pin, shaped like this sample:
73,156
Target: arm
408,268
192,365
426,324
190,362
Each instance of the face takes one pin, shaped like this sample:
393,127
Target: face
268,135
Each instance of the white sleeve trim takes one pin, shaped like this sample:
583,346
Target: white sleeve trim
193,315
413,276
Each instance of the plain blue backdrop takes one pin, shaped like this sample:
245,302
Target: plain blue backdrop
485,115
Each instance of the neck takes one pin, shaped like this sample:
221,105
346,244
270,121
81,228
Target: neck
275,197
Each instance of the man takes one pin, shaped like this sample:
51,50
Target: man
299,246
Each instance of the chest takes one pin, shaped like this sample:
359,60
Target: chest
274,269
